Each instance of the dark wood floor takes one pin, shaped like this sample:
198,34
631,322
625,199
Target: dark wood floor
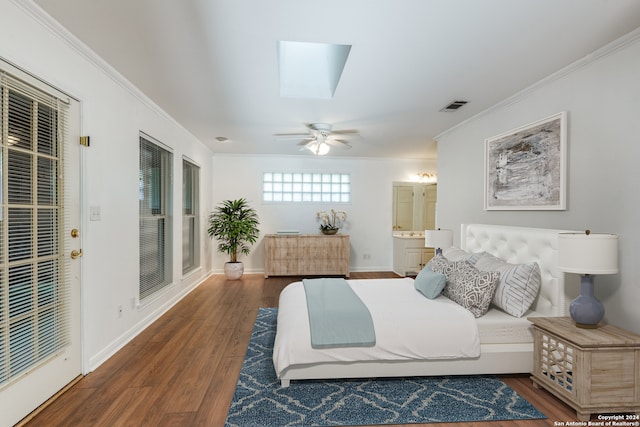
182,370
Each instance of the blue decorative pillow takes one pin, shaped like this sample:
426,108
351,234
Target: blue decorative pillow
430,283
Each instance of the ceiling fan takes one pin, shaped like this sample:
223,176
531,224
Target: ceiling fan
319,138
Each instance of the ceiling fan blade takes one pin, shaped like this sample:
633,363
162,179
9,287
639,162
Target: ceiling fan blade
287,136
339,143
291,138
306,141
311,146
345,132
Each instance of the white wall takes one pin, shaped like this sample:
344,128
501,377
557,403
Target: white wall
601,96
113,114
369,213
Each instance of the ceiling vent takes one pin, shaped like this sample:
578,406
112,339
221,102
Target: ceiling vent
453,106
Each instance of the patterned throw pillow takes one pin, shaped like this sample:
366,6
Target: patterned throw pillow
440,264
518,286
471,288
455,254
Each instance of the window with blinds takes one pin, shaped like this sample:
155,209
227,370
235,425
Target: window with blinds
190,218
155,216
34,284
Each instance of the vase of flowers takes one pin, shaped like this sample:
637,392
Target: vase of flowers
330,221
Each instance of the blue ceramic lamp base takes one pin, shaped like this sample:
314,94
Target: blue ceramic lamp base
586,310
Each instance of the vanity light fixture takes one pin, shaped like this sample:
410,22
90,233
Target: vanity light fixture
587,254
427,177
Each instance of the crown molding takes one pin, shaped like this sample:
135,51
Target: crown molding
599,54
60,32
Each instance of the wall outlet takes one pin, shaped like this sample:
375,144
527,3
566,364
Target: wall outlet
366,256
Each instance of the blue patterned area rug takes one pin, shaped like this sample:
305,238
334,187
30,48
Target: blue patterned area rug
260,401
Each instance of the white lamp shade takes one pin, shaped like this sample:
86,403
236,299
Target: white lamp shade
582,253
438,238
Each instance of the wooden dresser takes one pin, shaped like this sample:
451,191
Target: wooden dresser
591,370
306,255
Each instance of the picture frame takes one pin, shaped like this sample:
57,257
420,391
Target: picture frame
525,168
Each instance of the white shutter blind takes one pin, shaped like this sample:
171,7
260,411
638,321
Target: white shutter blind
155,218
190,217
34,286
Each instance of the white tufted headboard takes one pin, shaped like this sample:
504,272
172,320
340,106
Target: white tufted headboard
519,245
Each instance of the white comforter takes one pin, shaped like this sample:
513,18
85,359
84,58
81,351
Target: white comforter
407,326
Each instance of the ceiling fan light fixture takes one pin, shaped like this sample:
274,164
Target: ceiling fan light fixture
320,137
319,148
323,149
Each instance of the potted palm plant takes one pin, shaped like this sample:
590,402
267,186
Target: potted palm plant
234,224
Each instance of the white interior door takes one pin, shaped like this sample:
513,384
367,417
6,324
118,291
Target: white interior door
40,348
403,207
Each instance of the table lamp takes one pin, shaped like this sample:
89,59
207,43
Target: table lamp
438,239
587,254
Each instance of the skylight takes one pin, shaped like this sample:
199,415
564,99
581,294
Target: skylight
310,70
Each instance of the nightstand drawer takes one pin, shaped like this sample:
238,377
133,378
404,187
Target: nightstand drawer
612,376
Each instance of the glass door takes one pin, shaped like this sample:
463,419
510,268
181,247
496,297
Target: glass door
40,349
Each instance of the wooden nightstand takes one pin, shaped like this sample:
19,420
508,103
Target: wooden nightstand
591,370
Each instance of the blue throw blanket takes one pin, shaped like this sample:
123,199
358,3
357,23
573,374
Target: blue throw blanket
337,316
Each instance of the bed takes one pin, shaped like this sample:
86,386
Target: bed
505,342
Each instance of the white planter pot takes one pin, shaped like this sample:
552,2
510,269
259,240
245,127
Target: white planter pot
233,270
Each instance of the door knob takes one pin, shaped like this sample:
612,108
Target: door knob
76,254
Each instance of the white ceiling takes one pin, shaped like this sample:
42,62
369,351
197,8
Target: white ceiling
213,64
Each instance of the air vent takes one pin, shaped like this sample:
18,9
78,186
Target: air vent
453,106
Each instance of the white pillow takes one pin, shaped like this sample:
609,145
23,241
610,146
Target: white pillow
518,286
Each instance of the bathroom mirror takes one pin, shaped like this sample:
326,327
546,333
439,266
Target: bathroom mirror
414,206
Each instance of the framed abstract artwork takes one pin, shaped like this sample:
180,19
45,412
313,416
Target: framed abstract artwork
525,168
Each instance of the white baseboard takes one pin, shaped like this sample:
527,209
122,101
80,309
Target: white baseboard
117,344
